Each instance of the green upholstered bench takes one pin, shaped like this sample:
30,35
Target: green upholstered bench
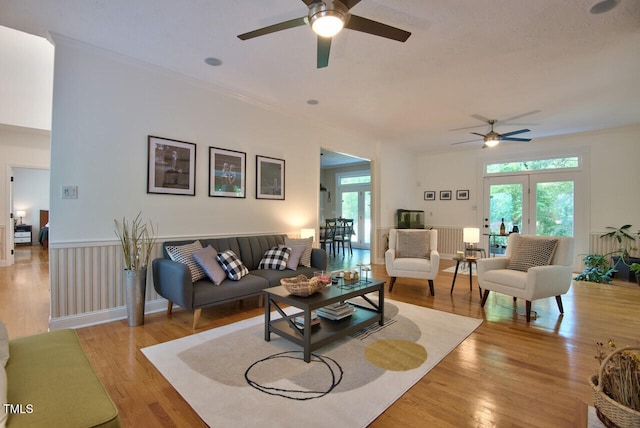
51,379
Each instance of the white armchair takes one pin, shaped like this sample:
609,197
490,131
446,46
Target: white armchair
533,268
412,253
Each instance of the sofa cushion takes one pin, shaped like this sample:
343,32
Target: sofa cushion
294,257
184,254
275,258
413,244
206,258
232,265
530,252
305,259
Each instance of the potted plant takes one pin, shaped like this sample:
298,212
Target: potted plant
635,268
616,386
623,260
136,241
597,268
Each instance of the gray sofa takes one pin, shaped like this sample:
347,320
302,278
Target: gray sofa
172,280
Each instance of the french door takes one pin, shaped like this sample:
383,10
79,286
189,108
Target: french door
355,203
537,203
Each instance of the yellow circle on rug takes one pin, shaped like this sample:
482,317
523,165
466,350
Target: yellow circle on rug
396,355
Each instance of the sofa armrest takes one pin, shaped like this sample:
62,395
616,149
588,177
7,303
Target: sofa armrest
550,280
172,280
319,258
492,263
434,256
389,257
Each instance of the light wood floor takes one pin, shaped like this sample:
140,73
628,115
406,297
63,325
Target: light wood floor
507,373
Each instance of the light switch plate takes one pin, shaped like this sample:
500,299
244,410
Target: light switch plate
69,192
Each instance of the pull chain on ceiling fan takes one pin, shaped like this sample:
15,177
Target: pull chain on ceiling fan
327,18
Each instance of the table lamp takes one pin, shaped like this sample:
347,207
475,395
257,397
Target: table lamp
21,213
471,236
308,233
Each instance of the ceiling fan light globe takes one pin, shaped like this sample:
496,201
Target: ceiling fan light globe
491,141
327,23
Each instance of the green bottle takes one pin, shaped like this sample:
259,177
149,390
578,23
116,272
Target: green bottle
503,229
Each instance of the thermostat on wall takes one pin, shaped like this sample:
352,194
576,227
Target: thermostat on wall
69,192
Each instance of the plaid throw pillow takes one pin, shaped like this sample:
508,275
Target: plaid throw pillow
184,254
232,265
276,258
528,252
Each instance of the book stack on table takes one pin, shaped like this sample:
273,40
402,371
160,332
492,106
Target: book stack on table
315,321
336,311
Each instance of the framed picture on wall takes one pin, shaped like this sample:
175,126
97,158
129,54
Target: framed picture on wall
227,173
462,194
269,178
430,195
171,166
445,195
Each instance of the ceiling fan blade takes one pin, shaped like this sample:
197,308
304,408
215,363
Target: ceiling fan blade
466,142
519,116
349,3
297,22
506,134
481,118
324,47
368,26
515,139
475,133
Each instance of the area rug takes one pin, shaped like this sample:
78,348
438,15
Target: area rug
231,376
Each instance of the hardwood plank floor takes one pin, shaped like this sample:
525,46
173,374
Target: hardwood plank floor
507,373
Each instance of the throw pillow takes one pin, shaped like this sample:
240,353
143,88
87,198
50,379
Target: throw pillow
305,259
412,243
206,258
276,258
232,265
184,254
530,252
294,257
4,357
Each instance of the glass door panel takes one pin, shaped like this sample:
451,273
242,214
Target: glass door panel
350,209
356,204
554,202
507,203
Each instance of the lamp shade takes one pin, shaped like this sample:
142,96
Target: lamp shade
21,213
471,235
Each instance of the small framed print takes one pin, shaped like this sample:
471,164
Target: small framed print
462,195
430,195
445,195
227,173
269,178
171,167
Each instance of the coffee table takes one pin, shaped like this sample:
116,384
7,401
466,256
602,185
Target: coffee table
329,331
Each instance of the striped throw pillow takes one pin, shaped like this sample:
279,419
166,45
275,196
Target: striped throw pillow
530,252
184,254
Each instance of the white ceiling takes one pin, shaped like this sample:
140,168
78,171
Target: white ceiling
559,67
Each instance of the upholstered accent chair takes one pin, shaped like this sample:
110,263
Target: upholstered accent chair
534,267
412,253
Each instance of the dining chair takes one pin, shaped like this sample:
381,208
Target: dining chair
328,237
344,232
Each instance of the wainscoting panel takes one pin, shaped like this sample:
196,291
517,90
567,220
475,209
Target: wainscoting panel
89,278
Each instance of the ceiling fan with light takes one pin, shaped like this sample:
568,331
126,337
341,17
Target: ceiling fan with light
327,18
492,138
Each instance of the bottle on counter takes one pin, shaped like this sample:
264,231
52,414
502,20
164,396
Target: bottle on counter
503,229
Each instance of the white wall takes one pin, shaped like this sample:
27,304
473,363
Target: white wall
26,79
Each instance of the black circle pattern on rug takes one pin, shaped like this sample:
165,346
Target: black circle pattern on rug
322,370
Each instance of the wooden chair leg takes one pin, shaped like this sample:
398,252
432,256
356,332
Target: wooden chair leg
528,310
169,308
431,287
196,317
393,281
559,302
484,298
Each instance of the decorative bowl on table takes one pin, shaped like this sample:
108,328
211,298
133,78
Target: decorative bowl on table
302,286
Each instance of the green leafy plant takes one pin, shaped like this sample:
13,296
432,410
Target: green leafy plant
624,238
137,240
597,268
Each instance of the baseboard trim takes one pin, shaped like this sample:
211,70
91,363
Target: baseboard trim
104,316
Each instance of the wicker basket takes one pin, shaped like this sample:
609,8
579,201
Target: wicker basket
610,412
302,286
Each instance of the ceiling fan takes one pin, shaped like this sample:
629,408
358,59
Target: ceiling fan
492,138
327,18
